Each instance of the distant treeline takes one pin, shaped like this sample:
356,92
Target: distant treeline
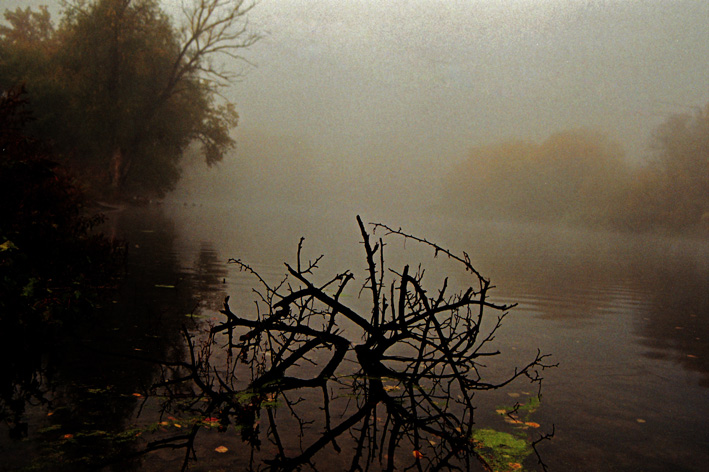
121,88
583,177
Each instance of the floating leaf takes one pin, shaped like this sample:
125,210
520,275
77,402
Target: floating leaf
417,454
515,465
512,420
221,449
7,245
532,424
513,395
164,286
640,420
499,448
137,395
692,356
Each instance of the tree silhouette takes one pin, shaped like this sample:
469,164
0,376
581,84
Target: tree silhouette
393,385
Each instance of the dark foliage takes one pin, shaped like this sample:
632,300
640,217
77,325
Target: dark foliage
52,267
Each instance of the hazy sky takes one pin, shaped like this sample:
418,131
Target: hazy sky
445,75
357,83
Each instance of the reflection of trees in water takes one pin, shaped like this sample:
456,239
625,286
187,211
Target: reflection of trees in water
82,386
389,388
676,323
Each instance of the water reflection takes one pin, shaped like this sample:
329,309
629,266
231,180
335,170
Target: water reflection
626,317
675,324
82,387
310,380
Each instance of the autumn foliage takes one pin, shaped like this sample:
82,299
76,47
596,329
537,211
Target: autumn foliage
582,177
571,176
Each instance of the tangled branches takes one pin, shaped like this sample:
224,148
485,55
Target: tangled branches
393,385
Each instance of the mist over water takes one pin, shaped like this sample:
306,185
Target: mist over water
367,108
371,105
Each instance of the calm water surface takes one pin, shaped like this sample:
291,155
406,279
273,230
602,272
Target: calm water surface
626,318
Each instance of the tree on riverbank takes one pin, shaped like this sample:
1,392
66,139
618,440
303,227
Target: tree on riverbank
672,190
571,177
53,268
582,178
122,90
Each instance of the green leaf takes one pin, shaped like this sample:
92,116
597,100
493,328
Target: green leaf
7,246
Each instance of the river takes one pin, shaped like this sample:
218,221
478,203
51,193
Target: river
626,318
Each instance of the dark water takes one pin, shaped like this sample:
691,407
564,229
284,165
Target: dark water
626,318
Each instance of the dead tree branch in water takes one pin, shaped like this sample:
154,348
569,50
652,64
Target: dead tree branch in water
395,383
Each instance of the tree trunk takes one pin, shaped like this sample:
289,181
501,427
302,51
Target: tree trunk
120,165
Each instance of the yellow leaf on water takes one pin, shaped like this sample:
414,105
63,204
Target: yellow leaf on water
515,465
532,424
640,420
418,454
221,449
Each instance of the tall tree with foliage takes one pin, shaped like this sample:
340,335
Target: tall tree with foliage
131,88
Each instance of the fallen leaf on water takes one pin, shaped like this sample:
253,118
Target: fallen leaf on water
177,425
137,395
640,420
389,388
515,465
511,420
502,412
221,449
67,436
513,395
692,356
532,424
418,454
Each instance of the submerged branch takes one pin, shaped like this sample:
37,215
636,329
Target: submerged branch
419,366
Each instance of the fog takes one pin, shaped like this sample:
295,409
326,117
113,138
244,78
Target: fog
377,100
366,103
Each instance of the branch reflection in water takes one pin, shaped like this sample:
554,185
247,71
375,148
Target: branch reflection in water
393,385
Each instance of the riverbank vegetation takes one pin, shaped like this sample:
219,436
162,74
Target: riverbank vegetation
122,89
582,177
54,269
